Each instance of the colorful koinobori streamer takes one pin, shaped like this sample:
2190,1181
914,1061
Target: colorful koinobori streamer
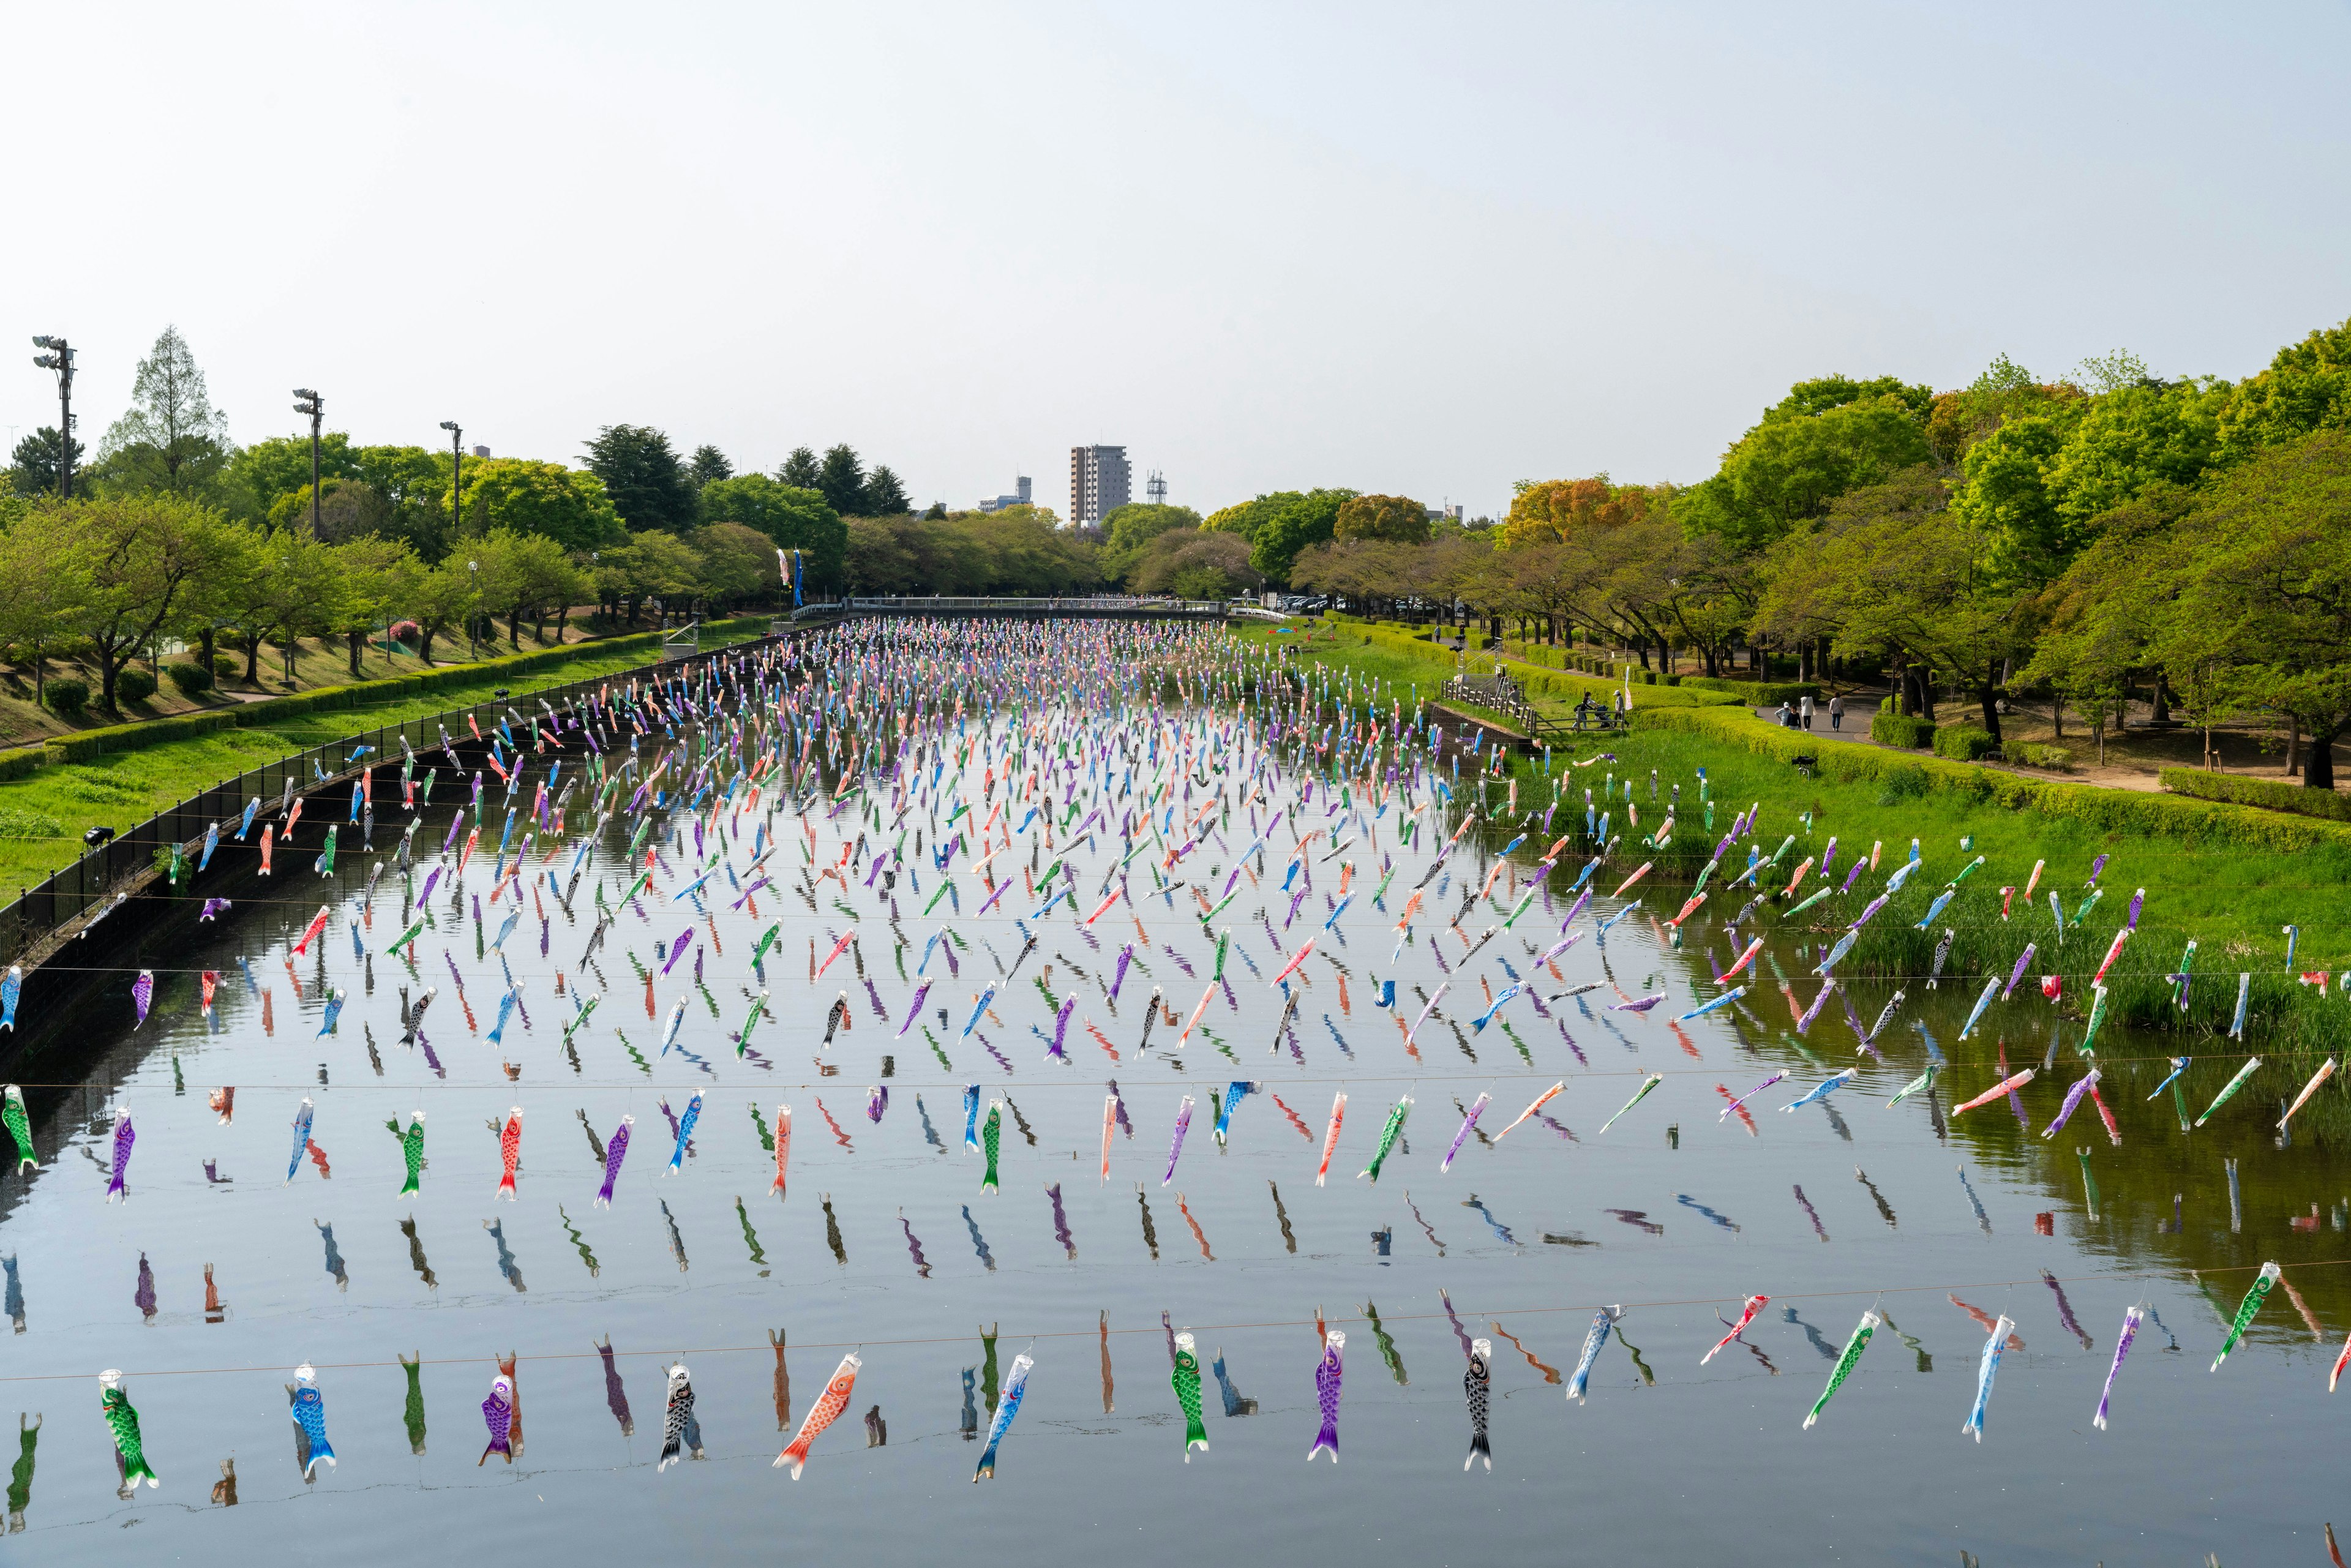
1844,1365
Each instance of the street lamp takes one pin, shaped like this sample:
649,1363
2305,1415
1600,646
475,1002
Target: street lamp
316,407
456,474
60,359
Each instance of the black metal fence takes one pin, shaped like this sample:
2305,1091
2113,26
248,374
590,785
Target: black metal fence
40,911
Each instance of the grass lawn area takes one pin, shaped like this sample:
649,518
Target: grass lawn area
42,817
317,662
2231,880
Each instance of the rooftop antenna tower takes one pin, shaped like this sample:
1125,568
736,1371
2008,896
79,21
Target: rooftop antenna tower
1155,489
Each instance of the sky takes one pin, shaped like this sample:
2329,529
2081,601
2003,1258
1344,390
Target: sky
1417,249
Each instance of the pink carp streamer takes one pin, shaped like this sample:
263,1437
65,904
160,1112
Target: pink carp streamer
2004,1087
1330,1135
1754,1305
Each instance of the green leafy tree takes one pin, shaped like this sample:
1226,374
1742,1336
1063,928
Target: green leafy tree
519,495
735,563
171,438
708,463
1025,551
802,470
643,478
35,462
1127,529
524,574
377,576
416,481
45,587
842,478
1787,469
2260,577
445,596
1399,520
139,552
1248,518
1194,563
2132,437
2003,494
791,517
347,509
652,565
2005,390
1897,572
276,585
1298,521
885,495
2307,387
259,476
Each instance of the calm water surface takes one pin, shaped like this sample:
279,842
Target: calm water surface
885,1243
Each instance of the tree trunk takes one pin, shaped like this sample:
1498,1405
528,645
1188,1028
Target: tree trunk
2057,715
2292,746
1990,697
107,668
424,636
2318,773
2159,702
207,644
252,659
356,637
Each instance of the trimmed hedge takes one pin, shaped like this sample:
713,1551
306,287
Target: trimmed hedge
2056,758
1900,729
2270,793
18,762
1962,742
2116,811
89,743
1757,694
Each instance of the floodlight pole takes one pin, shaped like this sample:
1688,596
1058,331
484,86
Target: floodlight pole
60,359
316,407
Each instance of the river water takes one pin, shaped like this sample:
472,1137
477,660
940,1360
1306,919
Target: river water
885,1244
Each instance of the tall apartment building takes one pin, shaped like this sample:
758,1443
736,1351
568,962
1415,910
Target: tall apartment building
1100,482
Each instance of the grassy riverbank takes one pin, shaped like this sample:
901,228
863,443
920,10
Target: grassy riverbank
2229,878
44,815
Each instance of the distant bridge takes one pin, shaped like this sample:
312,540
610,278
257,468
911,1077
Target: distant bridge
1100,607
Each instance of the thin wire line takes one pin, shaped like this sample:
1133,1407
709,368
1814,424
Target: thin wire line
1095,1331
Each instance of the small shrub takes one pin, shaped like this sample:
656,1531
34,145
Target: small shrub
2056,758
133,686
1901,782
21,824
1901,729
1962,742
191,679
228,667
67,697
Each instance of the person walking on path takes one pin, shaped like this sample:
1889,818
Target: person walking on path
1836,712
1805,709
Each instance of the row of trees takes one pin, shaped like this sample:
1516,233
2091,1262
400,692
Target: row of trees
631,481
111,578
2082,538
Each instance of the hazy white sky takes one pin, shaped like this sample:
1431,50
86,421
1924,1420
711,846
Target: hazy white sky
1427,249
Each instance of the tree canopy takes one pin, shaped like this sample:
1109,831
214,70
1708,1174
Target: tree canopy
643,478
